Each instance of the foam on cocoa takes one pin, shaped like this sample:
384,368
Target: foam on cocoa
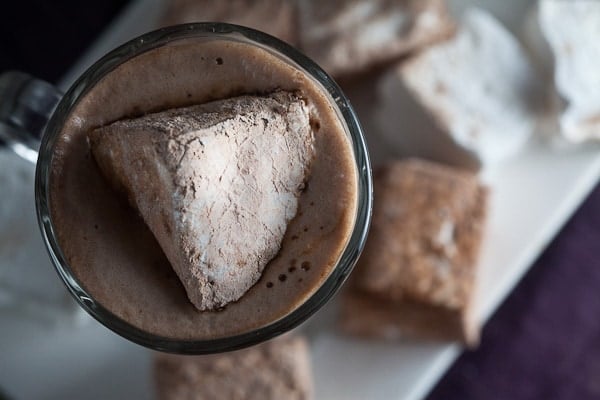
113,254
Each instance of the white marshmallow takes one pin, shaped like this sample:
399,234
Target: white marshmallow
468,101
349,36
572,29
216,183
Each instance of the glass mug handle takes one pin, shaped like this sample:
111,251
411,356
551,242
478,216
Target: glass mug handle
26,104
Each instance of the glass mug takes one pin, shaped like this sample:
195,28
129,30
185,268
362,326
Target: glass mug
32,114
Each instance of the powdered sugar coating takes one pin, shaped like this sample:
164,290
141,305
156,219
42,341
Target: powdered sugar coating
225,179
572,29
475,94
348,36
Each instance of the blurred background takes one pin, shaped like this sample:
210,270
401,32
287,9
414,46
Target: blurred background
542,342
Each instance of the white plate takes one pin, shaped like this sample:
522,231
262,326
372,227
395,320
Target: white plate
534,193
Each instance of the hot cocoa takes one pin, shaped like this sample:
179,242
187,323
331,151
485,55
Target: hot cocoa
115,255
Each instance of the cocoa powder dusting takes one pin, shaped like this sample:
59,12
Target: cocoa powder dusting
216,183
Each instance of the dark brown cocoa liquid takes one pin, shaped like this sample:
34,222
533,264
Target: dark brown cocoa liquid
112,253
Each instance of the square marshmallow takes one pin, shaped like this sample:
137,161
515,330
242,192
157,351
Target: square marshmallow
275,17
278,369
469,101
349,36
417,272
572,30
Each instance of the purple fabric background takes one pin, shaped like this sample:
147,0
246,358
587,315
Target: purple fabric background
543,342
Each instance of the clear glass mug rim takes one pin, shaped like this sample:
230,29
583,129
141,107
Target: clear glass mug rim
153,40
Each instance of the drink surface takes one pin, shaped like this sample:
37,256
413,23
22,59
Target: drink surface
113,254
